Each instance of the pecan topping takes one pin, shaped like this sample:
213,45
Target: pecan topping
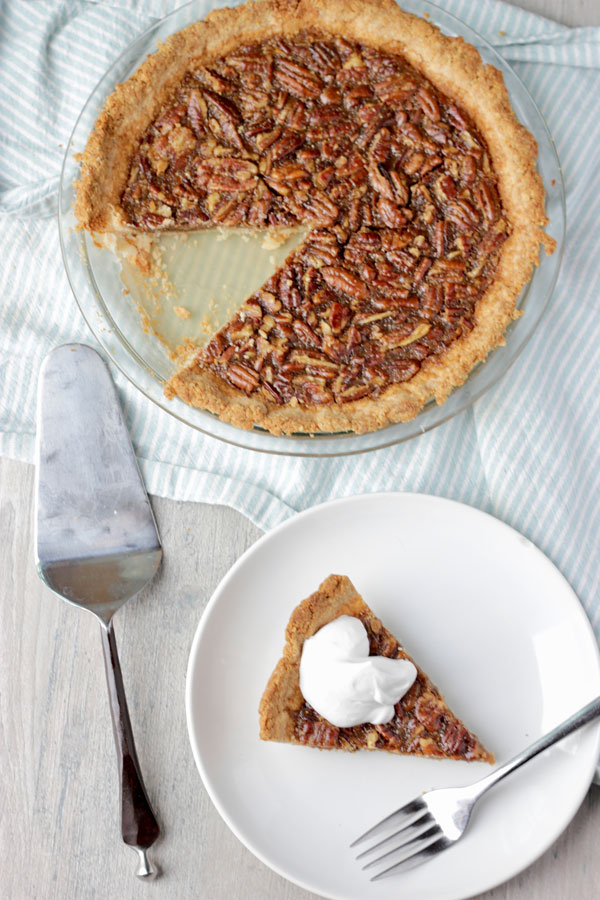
344,281
242,377
226,174
297,79
225,115
392,177
317,732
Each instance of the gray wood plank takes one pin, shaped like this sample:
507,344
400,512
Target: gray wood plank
59,834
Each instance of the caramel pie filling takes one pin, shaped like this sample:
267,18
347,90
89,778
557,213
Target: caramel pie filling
393,179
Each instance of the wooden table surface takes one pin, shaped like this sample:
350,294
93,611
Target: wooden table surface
59,816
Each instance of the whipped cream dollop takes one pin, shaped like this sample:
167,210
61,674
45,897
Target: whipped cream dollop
343,683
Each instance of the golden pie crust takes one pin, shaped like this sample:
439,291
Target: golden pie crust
423,724
451,66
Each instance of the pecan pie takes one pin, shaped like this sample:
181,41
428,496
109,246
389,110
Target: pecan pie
423,725
391,142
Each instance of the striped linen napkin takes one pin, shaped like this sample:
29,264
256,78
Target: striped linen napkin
528,451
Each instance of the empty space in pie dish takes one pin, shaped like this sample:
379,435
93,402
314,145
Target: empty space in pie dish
197,279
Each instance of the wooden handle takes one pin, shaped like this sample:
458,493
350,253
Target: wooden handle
138,823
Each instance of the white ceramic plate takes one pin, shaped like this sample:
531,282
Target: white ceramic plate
489,618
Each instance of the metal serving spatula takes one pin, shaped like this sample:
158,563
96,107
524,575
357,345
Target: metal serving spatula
97,543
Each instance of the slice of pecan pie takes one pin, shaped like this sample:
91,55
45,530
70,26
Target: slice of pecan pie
422,725
391,142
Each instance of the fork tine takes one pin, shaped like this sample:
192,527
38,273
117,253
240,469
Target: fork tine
412,846
416,858
398,817
419,822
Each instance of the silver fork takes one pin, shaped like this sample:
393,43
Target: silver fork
437,819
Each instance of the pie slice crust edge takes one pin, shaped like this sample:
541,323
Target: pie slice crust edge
423,724
452,66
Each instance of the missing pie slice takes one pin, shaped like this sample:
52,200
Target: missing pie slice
392,143
422,725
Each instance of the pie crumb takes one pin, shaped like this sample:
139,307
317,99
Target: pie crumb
274,239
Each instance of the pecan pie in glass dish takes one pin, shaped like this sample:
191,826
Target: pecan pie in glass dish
422,723
391,144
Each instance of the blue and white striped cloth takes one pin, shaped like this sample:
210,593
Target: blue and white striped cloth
527,452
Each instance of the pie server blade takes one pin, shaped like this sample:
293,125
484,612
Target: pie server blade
96,539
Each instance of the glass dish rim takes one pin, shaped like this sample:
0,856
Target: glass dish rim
302,445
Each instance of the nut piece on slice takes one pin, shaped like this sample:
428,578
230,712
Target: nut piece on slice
423,725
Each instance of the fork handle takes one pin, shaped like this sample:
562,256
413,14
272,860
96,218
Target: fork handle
138,822
577,720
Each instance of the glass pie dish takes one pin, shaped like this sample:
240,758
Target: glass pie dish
141,321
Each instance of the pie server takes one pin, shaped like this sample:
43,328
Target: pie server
96,538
